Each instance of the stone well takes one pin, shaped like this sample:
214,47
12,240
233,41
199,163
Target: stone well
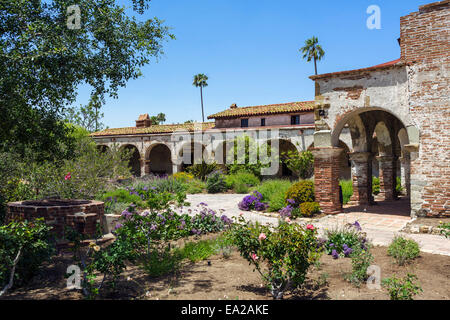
82,215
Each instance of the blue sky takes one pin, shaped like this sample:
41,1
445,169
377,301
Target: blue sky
249,50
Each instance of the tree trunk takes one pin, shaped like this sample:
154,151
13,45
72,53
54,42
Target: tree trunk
201,97
315,66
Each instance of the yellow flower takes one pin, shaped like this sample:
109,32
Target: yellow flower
91,244
96,248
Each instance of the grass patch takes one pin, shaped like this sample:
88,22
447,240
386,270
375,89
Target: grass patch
347,190
274,192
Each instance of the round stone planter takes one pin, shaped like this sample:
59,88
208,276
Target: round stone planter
82,215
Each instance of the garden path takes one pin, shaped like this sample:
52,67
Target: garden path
381,222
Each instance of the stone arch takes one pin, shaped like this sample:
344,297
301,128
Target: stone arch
158,159
283,146
346,117
190,153
384,141
135,159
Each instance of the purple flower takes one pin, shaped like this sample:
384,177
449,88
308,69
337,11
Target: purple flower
348,251
203,204
117,226
335,254
153,227
286,211
291,201
126,214
357,225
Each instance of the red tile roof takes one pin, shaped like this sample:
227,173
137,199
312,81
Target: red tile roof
394,63
264,110
153,129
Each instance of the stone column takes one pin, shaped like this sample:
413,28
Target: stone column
387,177
326,178
146,170
175,168
405,170
362,178
144,166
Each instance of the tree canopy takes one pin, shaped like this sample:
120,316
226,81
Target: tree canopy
44,60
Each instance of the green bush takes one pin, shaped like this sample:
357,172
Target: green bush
375,185
183,177
361,260
200,250
445,228
301,163
215,183
403,250
398,185
402,289
168,184
308,209
33,239
274,193
347,190
122,196
195,186
282,255
202,170
163,262
339,239
301,191
242,179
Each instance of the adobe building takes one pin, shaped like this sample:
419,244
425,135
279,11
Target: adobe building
160,149
390,120
398,113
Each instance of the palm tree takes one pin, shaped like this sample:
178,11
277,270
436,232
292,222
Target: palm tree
312,50
200,81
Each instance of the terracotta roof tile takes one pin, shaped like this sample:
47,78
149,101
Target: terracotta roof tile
153,129
264,110
397,62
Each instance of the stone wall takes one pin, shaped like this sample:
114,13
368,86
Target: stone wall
425,46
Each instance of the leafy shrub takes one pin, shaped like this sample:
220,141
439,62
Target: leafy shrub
206,220
302,191
163,262
242,178
347,190
122,196
252,202
195,186
215,183
277,200
30,241
402,289
375,185
361,260
167,184
273,192
183,177
301,163
240,187
308,209
199,250
282,255
445,229
202,170
345,240
403,250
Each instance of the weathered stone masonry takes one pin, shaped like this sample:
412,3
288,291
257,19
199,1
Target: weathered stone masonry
402,107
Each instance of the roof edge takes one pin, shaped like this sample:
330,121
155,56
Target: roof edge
391,64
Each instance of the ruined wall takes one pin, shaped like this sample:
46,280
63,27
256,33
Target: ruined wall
425,46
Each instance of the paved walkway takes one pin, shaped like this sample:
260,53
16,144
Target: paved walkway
381,222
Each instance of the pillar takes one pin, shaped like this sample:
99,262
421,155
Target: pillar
326,178
144,166
387,177
362,178
405,170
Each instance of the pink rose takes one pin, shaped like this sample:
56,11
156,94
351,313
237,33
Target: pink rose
287,220
254,257
262,236
310,227
68,176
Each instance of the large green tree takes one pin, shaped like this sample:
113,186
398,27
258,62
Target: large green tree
312,50
49,48
200,81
